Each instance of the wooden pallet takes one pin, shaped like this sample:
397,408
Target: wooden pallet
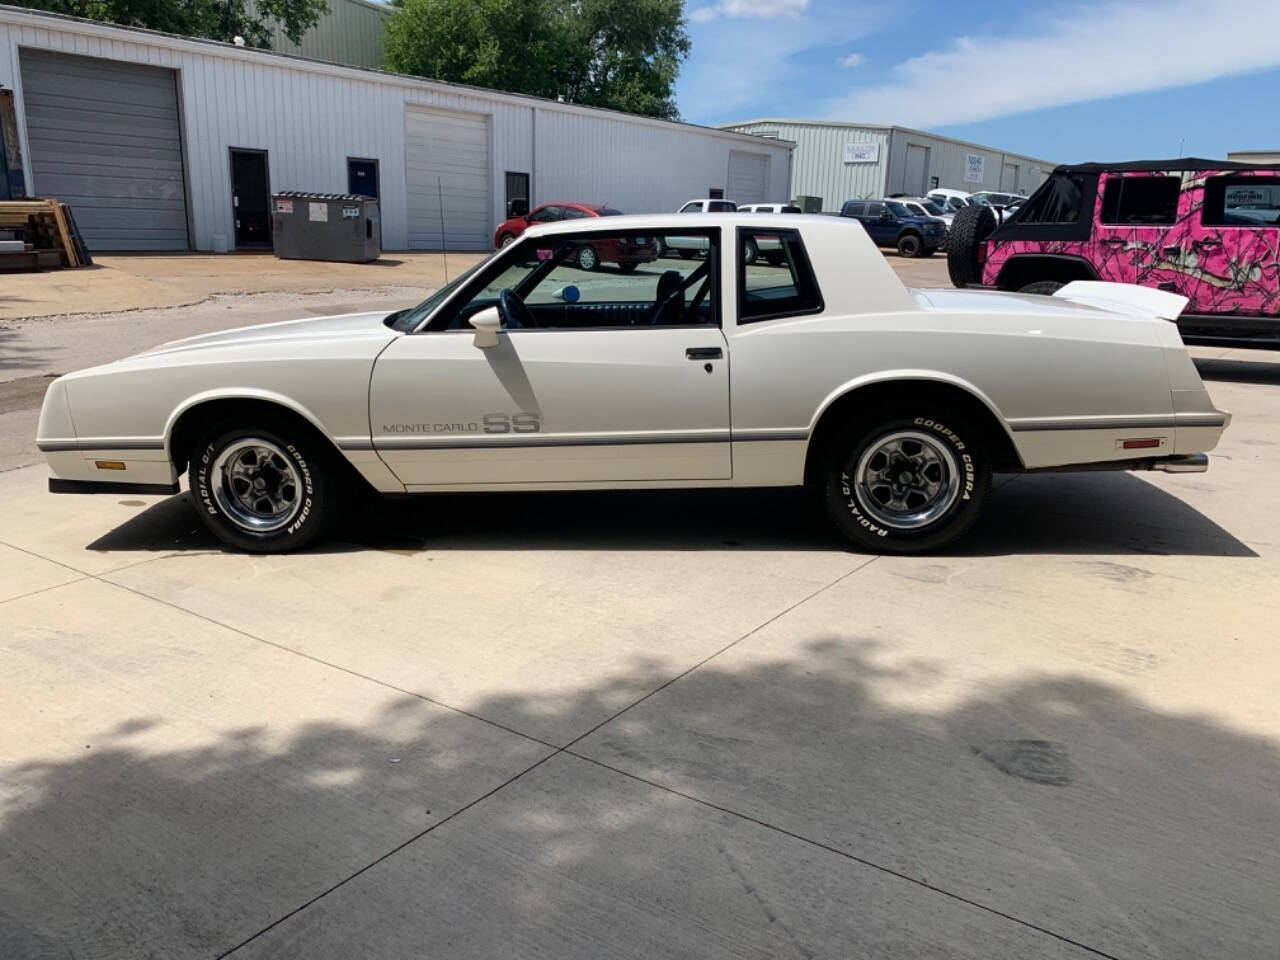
52,227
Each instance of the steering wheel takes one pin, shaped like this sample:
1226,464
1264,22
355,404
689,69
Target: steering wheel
516,314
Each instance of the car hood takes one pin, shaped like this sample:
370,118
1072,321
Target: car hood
343,326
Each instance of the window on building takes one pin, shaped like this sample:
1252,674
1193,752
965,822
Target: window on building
780,283
1235,201
1140,200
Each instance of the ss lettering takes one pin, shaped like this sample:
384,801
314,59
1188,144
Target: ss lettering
515,423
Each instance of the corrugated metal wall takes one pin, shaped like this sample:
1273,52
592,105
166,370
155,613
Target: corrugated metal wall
311,117
351,32
948,162
819,167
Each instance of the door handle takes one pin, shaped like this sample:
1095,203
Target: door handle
1113,241
1207,242
703,353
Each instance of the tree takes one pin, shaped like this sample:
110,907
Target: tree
621,54
215,19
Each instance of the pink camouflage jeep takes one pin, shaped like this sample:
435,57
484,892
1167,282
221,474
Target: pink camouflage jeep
1206,229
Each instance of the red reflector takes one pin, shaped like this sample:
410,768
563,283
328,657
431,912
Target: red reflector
982,252
1140,444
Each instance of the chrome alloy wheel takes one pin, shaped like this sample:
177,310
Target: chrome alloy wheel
256,485
907,479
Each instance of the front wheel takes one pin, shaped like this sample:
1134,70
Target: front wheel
507,240
908,485
749,251
263,488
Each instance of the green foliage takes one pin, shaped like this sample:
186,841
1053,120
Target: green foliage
621,54
215,19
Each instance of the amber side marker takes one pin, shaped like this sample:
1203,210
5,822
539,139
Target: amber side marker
109,464
1140,444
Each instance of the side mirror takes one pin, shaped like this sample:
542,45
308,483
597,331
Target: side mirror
487,324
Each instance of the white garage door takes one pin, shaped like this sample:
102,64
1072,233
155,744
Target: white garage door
104,137
748,180
453,147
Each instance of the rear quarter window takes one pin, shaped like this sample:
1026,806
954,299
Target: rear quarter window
1235,201
781,282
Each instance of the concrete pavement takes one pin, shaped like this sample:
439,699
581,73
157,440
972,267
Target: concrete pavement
663,725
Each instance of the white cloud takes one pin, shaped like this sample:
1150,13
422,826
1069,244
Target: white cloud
1105,50
747,66
751,9
853,60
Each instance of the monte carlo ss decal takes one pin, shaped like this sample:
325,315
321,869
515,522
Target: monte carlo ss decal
488,423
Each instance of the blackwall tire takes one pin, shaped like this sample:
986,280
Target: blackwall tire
908,485
507,240
969,229
263,488
587,258
1045,288
659,248
750,252
910,245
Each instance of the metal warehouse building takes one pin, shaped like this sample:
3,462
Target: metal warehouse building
169,143
842,161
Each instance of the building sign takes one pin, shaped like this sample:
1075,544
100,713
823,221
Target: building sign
862,153
973,163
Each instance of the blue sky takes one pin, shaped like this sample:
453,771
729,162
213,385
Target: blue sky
1063,81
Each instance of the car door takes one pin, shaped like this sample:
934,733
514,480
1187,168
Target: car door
603,388
1230,254
1139,235
883,230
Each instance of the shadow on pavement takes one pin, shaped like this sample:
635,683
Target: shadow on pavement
1053,802
1020,519
1239,371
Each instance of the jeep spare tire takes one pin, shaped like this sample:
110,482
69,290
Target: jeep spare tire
969,229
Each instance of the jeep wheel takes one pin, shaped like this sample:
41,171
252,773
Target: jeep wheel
909,245
1046,288
264,488
908,485
969,229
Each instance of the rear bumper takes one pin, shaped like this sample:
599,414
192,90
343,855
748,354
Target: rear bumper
59,485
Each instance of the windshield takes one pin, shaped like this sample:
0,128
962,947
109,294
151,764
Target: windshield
607,212
933,208
407,320
899,209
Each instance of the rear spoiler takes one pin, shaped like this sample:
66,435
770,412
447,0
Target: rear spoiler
1125,298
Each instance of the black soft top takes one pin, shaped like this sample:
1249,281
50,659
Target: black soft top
1182,163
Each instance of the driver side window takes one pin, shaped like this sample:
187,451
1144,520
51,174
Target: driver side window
603,279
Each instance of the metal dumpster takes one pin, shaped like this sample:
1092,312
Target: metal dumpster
325,226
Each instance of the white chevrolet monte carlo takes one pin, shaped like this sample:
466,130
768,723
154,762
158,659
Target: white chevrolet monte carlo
526,373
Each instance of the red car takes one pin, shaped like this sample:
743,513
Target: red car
627,252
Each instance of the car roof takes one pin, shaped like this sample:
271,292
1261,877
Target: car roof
662,221
1182,163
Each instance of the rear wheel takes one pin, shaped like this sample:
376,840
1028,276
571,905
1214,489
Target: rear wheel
969,229
749,251
909,245
909,484
1046,288
262,488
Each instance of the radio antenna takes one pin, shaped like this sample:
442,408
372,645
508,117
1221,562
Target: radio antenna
444,244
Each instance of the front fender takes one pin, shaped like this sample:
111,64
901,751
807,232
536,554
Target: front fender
241,393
